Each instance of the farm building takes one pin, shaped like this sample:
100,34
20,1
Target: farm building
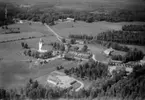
61,80
79,55
80,42
70,19
118,68
108,51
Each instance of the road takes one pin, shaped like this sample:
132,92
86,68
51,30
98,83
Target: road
82,86
57,36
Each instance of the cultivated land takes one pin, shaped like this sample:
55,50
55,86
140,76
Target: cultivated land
15,71
93,5
79,27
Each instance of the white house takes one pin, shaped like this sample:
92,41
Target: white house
108,51
70,19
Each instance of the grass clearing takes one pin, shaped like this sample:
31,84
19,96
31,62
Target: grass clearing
25,27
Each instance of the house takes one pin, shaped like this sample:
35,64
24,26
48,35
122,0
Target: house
78,55
118,68
80,42
70,19
60,80
108,51
20,21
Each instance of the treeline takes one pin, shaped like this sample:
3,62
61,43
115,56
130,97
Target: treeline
127,37
112,45
36,54
91,71
81,37
49,15
133,28
131,55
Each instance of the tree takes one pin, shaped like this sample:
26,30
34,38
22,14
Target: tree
133,55
72,41
63,40
76,48
22,44
85,48
62,48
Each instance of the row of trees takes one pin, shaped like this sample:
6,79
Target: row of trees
91,70
58,46
133,28
36,54
132,55
81,36
127,37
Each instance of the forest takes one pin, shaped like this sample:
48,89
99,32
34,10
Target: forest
131,55
12,11
49,14
133,28
129,87
90,71
125,37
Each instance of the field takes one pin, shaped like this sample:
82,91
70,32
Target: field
14,70
93,5
79,27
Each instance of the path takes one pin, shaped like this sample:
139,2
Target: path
93,57
57,36
82,86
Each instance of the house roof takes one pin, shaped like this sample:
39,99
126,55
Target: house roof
108,51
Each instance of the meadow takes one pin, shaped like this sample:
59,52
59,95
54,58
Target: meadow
79,27
15,71
92,5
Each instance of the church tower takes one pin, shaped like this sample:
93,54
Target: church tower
40,44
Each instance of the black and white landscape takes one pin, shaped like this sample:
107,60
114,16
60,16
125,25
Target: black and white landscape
72,49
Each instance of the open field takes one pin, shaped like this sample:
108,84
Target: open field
94,5
66,28
79,27
17,73
25,27
14,70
